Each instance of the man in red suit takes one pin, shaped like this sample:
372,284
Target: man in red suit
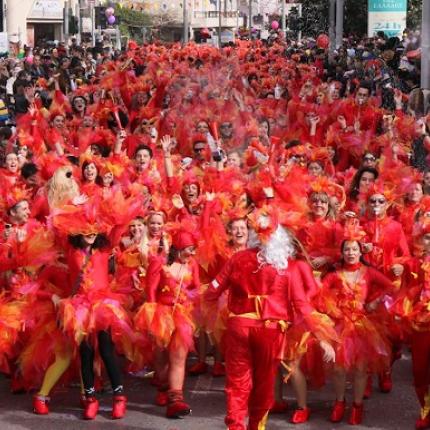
265,290
386,249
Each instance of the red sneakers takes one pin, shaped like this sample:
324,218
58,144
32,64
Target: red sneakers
422,423
119,407
40,405
356,416
218,369
300,415
198,369
162,398
368,389
385,382
337,412
91,408
176,407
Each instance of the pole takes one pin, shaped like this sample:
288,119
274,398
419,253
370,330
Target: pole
250,17
93,24
299,35
78,17
340,4
283,17
185,29
425,46
331,29
66,21
219,24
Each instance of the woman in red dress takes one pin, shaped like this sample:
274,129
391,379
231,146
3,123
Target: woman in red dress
172,295
348,296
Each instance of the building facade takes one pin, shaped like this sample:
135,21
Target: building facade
32,21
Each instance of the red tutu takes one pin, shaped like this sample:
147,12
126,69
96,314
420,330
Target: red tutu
84,315
170,326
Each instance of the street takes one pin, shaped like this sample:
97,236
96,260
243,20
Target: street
397,410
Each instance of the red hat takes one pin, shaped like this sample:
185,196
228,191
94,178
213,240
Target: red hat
183,239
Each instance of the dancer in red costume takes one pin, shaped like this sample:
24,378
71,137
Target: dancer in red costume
264,287
413,307
172,293
385,248
348,295
93,314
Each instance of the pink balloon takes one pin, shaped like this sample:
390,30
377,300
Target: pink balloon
111,20
109,12
323,41
275,25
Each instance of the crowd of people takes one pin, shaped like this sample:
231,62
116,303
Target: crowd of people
266,203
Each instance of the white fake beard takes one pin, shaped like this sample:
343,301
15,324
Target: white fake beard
277,251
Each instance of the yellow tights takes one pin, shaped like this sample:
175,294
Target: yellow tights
55,372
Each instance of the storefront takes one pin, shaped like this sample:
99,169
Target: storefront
45,21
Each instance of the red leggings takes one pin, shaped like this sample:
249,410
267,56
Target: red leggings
420,347
251,359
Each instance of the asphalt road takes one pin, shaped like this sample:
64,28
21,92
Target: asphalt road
395,411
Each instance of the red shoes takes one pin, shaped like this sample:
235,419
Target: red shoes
368,389
385,382
198,369
218,369
422,423
279,407
337,412
162,398
91,408
176,406
119,406
356,416
300,415
40,405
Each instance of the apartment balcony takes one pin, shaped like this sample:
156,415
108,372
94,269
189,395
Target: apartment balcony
202,19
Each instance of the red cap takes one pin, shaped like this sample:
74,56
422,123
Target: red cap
183,239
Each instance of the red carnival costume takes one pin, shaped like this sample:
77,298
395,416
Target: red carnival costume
262,303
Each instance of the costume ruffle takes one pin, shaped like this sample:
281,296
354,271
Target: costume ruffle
361,341
170,326
11,324
84,315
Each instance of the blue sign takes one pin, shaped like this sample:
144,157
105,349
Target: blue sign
388,5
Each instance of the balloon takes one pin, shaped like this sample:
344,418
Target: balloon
111,20
323,41
275,25
109,12
205,32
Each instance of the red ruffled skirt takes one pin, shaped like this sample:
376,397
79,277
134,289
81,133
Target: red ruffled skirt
169,326
85,314
361,342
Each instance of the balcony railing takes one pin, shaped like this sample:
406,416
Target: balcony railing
215,14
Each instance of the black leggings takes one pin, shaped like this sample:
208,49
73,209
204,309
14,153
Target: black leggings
107,353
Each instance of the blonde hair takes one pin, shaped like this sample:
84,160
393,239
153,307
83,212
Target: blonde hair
62,187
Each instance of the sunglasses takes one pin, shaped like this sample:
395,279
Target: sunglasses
375,201
226,126
199,150
369,158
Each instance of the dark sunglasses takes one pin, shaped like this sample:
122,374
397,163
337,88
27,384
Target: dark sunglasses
374,201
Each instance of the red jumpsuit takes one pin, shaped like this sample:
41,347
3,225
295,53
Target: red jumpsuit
413,307
262,303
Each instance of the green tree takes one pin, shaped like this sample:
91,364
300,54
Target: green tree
315,13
